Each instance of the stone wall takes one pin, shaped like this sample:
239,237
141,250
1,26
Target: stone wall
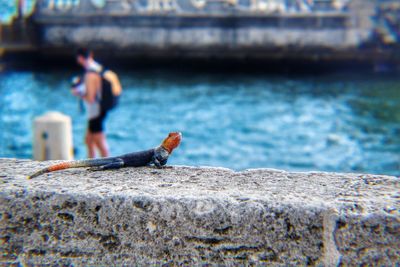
194,216
337,31
248,29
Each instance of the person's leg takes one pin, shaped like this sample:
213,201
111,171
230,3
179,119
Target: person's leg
99,137
101,143
90,144
94,127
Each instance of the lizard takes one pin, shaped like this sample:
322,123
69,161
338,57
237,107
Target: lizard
156,156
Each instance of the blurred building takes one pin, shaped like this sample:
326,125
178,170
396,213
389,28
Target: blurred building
260,29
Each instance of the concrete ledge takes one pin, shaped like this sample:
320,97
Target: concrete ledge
195,216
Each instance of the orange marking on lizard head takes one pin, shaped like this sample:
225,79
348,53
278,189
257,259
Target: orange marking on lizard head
172,141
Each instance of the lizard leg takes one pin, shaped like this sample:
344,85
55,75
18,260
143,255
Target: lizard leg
119,163
159,161
156,162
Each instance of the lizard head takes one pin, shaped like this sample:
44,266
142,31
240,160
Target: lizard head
172,141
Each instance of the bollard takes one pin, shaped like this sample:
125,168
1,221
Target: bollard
52,137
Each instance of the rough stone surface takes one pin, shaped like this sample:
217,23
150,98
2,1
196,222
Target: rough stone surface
194,216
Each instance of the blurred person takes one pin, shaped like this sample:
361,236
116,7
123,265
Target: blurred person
91,89
340,4
20,7
303,5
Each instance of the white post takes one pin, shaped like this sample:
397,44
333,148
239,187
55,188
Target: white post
53,137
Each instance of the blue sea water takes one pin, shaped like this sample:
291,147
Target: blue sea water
341,123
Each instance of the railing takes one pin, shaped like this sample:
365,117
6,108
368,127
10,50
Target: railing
58,4
387,21
184,6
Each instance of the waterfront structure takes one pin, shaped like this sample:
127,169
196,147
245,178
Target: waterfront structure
248,29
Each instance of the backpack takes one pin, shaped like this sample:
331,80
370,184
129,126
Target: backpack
111,89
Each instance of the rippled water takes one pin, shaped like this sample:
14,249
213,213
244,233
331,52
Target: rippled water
344,123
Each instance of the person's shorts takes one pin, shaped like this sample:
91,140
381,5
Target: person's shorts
96,125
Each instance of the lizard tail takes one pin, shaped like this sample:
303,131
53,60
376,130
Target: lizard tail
60,166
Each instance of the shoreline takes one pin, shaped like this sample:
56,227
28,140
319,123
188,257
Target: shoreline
38,61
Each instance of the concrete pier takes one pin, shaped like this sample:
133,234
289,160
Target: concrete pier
252,29
206,29
190,216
